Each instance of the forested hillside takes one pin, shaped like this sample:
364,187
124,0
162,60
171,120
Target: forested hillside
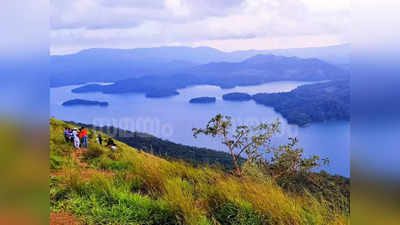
311,103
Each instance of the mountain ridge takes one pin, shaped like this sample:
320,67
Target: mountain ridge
253,71
109,65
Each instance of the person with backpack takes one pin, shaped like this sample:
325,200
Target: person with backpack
99,139
111,144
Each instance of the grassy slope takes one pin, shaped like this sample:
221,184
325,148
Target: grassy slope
128,186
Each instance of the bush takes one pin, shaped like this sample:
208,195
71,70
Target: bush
94,151
105,163
238,214
102,202
56,161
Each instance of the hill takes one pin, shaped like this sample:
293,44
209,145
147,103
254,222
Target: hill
311,103
265,68
127,186
255,70
110,65
166,149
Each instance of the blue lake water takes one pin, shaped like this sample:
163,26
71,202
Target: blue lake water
174,117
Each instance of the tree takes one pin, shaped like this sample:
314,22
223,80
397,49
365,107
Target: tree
255,144
242,140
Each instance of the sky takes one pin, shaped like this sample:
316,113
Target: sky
227,25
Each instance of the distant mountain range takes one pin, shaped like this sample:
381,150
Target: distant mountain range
252,71
110,65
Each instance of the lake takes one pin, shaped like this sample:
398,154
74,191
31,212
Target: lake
174,117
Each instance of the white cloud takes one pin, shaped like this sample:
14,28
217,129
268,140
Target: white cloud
81,24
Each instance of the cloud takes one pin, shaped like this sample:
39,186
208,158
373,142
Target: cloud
98,14
140,23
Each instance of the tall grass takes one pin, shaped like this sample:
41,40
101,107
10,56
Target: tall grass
146,189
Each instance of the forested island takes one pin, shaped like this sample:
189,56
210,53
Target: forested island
75,102
161,93
237,96
203,100
311,103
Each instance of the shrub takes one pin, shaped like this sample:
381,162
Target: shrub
56,161
102,202
94,152
105,163
231,213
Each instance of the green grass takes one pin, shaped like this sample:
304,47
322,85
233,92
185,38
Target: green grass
145,189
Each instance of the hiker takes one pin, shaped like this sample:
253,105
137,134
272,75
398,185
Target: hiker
83,137
77,142
66,134
70,135
111,144
99,139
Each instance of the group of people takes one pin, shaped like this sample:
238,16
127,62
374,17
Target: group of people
78,137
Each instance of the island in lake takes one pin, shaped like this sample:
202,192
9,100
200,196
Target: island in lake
203,100
161,93
237,96
75,102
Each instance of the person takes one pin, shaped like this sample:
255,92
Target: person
83,137
77,142
111,144
70,136
99,139
66,134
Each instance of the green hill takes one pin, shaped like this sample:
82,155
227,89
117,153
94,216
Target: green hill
166,149
127,186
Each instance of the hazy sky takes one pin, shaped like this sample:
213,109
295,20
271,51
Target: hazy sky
224,24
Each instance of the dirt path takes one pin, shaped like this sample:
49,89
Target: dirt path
63,219
85,172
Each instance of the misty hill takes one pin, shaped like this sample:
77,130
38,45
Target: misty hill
109,65
255,70
265,68
311,103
